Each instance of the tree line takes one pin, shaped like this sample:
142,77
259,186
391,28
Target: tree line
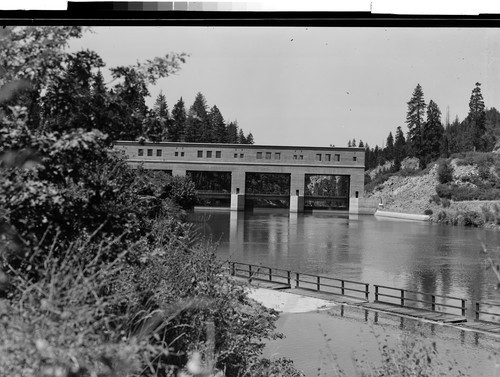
428,139
70,93
199,124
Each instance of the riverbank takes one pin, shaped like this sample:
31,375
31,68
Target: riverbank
416,194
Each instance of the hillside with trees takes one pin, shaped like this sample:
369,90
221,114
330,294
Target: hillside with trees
428,138
450,171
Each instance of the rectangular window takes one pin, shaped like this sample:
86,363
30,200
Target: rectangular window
268,155
277,156
182,154
209,154
200,154
301,157
354,158
236,155
140,152
176,154
158,152
217,154
259,155
318,157
328,157
337,157
294,156
241,155
150,152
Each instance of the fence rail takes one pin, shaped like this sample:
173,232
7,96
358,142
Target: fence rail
317,283
419,300
358,290
479,311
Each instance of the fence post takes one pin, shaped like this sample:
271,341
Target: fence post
367,291
289,278
249,273
317,283
433,304
342,289
402,297
297,276
233,268
376,292
477,311
463,308
270,274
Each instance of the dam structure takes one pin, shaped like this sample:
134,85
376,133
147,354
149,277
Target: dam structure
239,164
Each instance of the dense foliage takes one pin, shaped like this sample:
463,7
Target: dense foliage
99,272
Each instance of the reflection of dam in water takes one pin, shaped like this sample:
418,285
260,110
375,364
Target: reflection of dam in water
415,256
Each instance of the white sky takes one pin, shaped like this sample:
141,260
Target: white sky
314,86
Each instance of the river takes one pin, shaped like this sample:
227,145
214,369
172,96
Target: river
412,255
418,256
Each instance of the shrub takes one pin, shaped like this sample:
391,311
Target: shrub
445,202
428,212
472,218
444,191
445,172
436,199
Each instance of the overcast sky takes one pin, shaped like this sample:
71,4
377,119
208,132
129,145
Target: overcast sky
314,86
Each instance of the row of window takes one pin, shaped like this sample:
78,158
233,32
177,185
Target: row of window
209,154
140,152
260,155
277,155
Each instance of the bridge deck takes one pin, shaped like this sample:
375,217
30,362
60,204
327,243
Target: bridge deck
415,312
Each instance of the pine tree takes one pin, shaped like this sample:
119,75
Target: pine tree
349,145
361,145
477,118
178,122
241,137
161,113
197,121
415,121
399,148
353,143
160,107
250,138
197,124
432,133
232,132
389,147
217,125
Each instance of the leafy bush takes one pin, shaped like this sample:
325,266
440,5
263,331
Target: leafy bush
445,172
445,203
464,193
464,218
435,199
428,212
444,191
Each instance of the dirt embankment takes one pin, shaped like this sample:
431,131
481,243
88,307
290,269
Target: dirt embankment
413,194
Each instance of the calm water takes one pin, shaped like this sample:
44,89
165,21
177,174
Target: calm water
417,256
412,255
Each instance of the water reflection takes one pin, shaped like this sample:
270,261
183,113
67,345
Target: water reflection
412,255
